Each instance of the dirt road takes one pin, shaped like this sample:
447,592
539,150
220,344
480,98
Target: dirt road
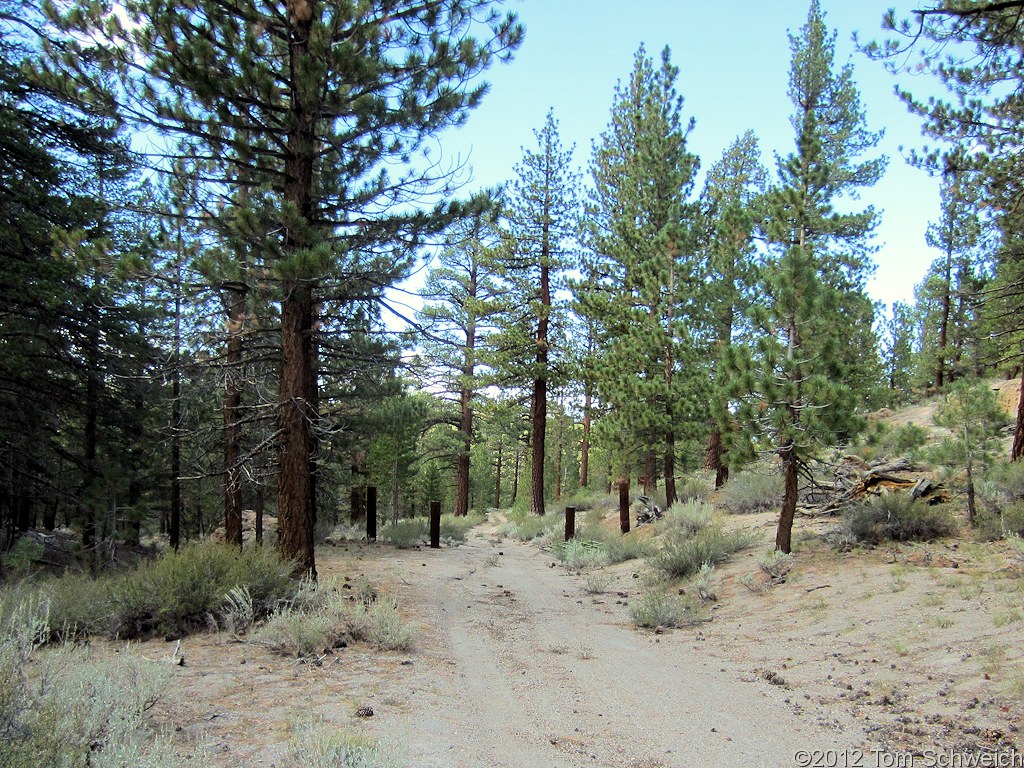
518,667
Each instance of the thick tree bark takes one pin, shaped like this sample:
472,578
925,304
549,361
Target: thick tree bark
670,468
297,395
296,516
649,480
234,304
713,458
623,484
515,477
462,458
539,404
1018,432
538,421
784,534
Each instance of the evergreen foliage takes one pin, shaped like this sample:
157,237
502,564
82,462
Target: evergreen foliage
640,283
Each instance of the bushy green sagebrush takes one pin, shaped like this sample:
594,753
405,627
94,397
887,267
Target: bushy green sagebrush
752,490
687,518
661,609
65,707
683,554
319,746
884,441
898,517
582,554
694,487
322,615
1001,491
185,590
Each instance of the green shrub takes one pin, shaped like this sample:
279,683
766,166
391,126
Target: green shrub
694,487
527,527
454,529
322,615
683,555
750,491
1003,483
776,564
184,590
1001,491
687,518
408,533
883,441
581,554
661,609
320,746
898,517
1002,522
64,707
17,561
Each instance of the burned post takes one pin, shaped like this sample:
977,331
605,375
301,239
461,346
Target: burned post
435,525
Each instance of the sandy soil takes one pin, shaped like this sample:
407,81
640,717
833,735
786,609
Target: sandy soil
911,648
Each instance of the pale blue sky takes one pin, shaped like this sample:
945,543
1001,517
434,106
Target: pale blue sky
734,64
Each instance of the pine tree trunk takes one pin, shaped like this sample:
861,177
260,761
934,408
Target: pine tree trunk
1018,431
538,422
649,480
295,517
784,534
462,458
235,306
260,505
713,458
515,478
670,468
585,443
297,392
623,485
539,405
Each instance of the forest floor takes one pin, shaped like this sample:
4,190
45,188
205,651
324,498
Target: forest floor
910,650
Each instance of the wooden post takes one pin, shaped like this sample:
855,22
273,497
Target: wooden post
435,525
570,523
371,513
357,505
624,504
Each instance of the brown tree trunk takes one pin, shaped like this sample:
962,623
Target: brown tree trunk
713,458
296,511
784,534
649,479
235,307
515,477
585,443
623,484
296,518
260,505
670,468
538,422
1018,431
462,457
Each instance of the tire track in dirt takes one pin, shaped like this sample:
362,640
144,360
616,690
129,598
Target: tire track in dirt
521,671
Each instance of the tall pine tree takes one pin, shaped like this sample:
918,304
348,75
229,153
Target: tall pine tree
314,105
796,373
643,268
